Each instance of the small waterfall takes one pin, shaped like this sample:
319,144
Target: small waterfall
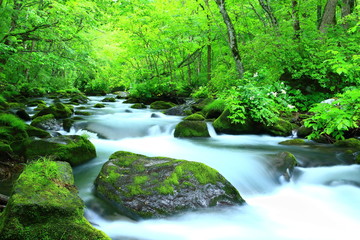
211,129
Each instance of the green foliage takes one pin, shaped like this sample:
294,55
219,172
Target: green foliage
335,119
263,104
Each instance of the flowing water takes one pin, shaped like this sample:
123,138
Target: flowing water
322,201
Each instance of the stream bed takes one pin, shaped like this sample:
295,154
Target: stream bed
321,201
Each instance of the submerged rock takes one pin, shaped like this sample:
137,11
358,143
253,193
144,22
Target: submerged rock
148,187
70,148
283,164
45,205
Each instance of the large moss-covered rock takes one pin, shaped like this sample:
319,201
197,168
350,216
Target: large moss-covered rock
280,127
189,129
161,105
46,122
37,132
59,110
45,205
13,132
224,125
70,148
146,187
349,143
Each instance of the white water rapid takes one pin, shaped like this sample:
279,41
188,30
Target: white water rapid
319,203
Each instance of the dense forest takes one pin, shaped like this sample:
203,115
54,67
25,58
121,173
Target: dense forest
262,58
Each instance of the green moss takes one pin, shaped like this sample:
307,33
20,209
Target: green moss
138,106
186,129
125,159
280,128
59,110
13,121
45,205
99,105
297,141
72,148
165,189
349,143
195,117
140,179
162,105
109,99
42,119
214,108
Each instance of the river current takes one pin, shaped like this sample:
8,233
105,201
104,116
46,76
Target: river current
321,201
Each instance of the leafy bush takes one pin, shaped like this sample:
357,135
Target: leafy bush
333,120
262,104
153,89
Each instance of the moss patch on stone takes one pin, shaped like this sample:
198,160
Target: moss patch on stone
71,148
59,110
37,132
45,205
162,105
349,143
189,129
195,117
138,106
138,185
297,141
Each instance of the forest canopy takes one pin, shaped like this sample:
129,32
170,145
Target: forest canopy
166,48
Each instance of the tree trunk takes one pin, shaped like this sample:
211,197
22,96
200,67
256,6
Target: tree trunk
296,20
231,37
269,12
209,47
328,18
346,9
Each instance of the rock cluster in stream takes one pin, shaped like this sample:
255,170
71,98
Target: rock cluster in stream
150,187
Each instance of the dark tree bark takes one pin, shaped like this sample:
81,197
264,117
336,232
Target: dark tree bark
296,20
269,12
231,37
328,18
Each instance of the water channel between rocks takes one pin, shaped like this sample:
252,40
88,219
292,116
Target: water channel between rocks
318,203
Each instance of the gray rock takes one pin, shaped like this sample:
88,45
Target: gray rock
151,187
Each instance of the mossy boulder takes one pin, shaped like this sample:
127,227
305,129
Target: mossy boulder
99,105
109,99
36,102
349,143
21,113
78,99
283,164
46,122
162,105
280,127
195,117
59,110
138,106
68,123
190,129
214,109
37,132
13,132
303,131
296,141
224,125
152,187
45,205
69,148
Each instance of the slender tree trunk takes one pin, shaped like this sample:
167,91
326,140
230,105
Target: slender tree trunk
346,9
269,12
296,20
231,37
209,47
328,18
